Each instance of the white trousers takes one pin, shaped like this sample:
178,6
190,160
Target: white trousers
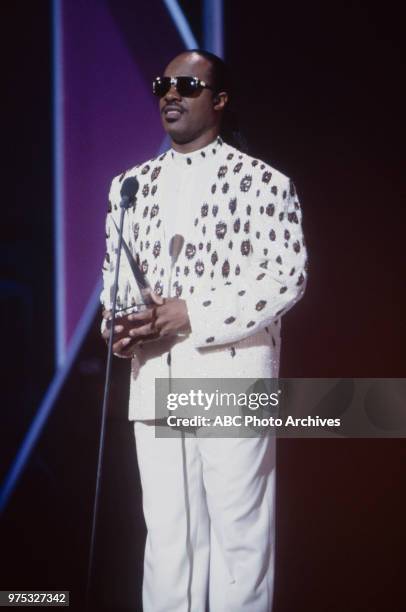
209,507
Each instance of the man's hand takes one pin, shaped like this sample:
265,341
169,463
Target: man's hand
167,317
123,345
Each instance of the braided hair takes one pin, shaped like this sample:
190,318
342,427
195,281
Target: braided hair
221,81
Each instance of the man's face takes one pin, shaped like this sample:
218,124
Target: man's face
187,118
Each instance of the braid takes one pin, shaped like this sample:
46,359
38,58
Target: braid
221,81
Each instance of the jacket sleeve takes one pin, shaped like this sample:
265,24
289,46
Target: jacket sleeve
275,280
126,295
108,267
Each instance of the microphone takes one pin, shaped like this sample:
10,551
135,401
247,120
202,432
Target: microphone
175,247
128,192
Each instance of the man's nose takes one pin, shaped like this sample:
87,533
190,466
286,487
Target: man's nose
172,94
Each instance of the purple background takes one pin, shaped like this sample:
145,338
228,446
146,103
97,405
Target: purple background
110,123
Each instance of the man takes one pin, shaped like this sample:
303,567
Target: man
208,502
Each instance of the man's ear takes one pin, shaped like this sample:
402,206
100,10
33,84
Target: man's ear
220,99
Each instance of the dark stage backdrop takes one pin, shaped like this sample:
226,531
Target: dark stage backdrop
319,90
321,99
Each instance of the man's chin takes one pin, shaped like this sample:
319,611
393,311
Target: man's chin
177,134
173,124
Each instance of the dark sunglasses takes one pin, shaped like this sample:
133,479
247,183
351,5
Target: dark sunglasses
186,86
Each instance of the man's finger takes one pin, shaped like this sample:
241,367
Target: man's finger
157,299
140,332
121,345
107,332
145,315
118,327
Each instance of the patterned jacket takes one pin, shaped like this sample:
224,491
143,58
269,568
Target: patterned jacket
242,266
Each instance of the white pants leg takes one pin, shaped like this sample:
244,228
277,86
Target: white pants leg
237,477
176,561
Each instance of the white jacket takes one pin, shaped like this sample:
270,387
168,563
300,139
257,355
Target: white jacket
243,264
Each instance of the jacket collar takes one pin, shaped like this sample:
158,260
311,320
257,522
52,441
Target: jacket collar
190,160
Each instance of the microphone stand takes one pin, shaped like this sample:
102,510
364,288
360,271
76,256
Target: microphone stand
124,205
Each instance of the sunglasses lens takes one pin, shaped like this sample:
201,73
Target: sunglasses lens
161,86
186,86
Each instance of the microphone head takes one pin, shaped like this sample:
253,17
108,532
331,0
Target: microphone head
128,191
175,247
